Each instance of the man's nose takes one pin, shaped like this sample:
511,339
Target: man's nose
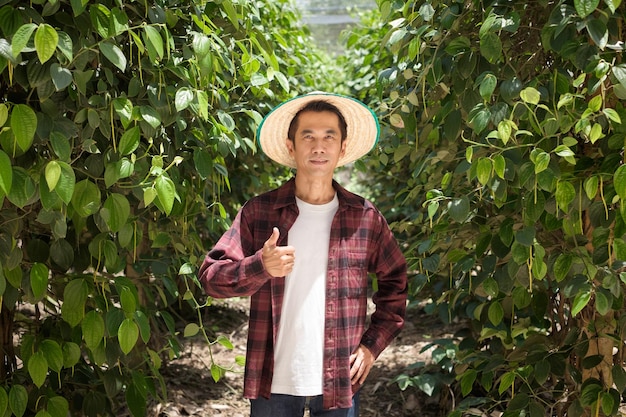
318,145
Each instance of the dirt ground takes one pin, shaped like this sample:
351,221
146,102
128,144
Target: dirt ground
192,391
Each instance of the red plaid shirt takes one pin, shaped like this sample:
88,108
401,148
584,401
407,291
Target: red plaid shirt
360,242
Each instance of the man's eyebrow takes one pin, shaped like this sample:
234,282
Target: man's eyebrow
329,130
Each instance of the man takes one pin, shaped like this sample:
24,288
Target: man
303,253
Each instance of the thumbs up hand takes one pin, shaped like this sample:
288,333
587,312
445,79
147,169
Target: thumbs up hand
278,260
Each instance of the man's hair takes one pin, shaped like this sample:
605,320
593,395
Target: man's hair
317,106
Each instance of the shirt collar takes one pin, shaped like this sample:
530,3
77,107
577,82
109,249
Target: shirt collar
286,195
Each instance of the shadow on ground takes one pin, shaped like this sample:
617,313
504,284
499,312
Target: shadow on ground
193,392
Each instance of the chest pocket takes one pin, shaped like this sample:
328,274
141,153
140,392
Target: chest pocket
353,273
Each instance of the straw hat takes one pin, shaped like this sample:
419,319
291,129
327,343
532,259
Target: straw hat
362,133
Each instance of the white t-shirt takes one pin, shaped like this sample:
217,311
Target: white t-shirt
299,350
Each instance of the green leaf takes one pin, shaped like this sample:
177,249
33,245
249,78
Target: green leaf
74,299
612,115
596,133
603,306
619,377
530,95
541,161
580,301
224,341
585,7
58,406
166,192
86,198
536,409
491,47
93,329
619,181
590,393
619,71
144,325
525,236
619,248
136,400
39,279
115,211
4,114
542,371
506,382
231,13
467,381
499,165
184,97
118,22
495,313
23,125
505,129
191,330
4,401
591,187
186,269
479,117
150,115
459,209
483,170
216,372
38,368
114,54
14,276
61,77
124,109
66,46
66,183
22,187
128,334
53,174
18,400
595,104
608,404
71,354
491,287
46,41
21,38
128,300
565,194
100,16
534,207
226,120
487,86
6,173
53,354
154,42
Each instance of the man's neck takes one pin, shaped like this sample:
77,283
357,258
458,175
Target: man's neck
315,191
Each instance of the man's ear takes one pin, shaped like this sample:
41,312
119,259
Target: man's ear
290,146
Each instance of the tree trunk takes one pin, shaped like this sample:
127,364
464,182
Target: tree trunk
9,363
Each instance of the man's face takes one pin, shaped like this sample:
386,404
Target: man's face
317,144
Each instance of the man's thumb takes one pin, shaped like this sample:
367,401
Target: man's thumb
273,240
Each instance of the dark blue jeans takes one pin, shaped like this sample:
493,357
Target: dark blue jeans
280,405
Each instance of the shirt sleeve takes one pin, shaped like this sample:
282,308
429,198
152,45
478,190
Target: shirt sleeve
389,265
234,267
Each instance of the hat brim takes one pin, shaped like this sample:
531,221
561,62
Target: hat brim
363,129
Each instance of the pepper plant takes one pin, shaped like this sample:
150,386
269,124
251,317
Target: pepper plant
122,125
503,168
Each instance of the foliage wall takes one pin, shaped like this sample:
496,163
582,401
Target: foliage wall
503,166
120,122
